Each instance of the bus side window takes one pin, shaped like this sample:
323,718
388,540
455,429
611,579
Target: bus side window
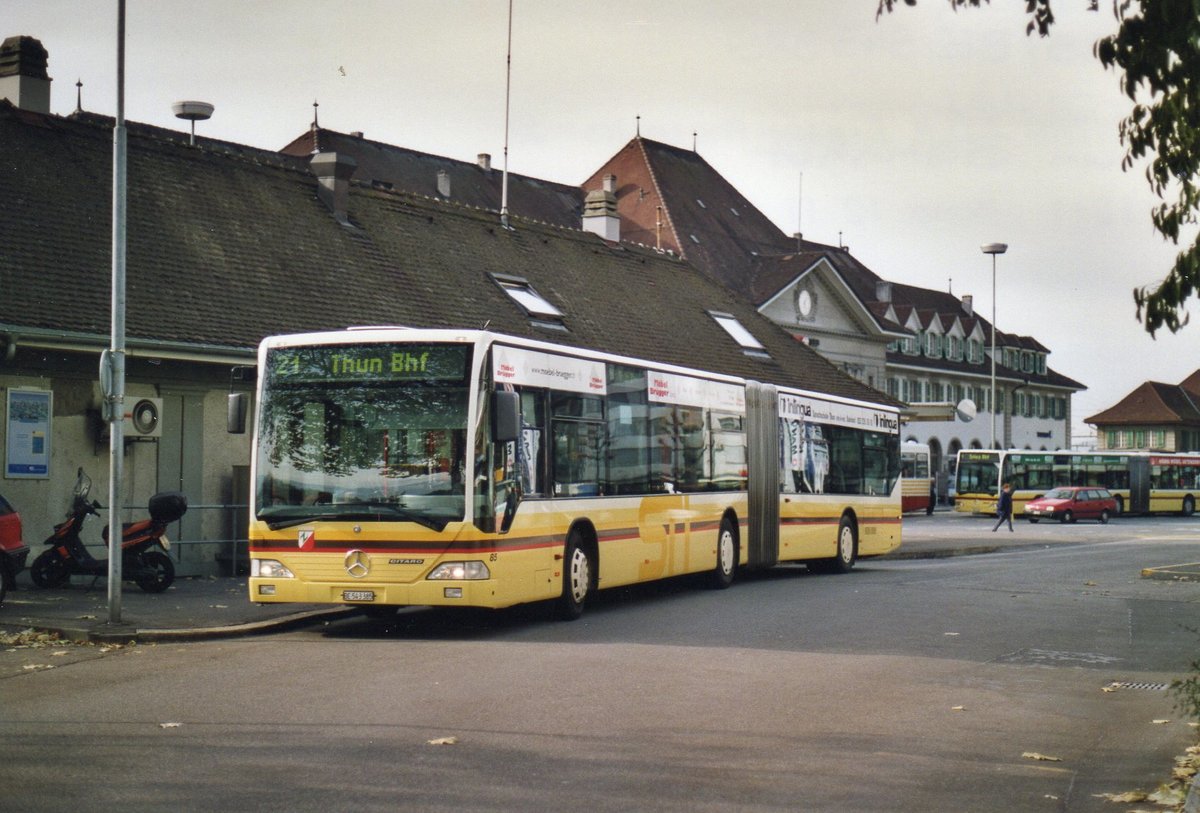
531,457
577,436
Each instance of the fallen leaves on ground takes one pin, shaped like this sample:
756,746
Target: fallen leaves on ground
1170,797
1040,757
1128,796
444,741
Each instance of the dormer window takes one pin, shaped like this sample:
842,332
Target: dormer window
536,306
739,333
933,345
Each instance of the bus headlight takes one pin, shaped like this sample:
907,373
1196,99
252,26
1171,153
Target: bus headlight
269,569
460,570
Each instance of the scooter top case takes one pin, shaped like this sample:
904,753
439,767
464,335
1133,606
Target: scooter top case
168,506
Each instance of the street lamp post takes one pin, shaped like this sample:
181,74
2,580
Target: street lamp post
994,249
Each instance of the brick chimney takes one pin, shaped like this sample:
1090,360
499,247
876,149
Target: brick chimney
883,291
333,173
600,211
23,78
968,304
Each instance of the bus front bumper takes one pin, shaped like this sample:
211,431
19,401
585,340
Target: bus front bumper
436,593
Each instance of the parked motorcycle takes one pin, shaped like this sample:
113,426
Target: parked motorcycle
143,544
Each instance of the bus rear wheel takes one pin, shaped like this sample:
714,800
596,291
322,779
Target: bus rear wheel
847,550
1189,506
722,575
577,576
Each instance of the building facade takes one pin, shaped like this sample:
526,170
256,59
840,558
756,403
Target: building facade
927,348
1154,417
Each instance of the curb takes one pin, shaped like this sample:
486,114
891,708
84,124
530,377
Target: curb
120,634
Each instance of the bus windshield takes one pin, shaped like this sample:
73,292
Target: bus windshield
363,432
978,473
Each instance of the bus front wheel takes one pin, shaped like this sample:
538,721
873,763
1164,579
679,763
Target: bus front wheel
578,568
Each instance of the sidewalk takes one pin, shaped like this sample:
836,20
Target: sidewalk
191,609
202,608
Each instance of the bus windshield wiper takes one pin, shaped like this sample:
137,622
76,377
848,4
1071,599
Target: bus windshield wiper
383,510
350,511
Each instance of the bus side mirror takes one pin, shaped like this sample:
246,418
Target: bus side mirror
506,416
235,423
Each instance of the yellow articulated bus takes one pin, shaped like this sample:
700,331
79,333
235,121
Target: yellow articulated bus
397,467
1142,482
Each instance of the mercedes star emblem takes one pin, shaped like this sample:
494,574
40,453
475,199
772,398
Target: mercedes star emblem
358,564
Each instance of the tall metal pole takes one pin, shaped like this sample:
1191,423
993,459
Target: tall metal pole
507,95
992,445
114,359
994,249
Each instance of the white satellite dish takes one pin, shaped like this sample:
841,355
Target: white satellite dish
965,410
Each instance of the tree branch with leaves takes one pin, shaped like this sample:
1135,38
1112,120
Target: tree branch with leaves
1157,49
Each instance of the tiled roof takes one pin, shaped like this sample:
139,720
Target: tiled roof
470,184
1152,403
228,246
703,216
1192,383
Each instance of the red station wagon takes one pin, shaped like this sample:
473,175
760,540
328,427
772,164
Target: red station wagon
1069,503
13,551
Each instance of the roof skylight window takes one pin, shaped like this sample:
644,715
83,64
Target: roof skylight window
739,333
533,303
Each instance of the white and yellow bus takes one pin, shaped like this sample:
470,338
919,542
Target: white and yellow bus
916,478
397,467
1142,482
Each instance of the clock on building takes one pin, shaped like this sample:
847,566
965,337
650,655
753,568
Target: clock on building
806,304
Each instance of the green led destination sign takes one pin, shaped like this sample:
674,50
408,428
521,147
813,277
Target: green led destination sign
370,362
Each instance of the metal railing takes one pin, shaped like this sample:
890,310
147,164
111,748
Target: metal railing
227,555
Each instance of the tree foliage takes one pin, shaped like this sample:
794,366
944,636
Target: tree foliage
1157,49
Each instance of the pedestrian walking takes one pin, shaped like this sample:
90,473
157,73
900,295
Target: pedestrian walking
1004,508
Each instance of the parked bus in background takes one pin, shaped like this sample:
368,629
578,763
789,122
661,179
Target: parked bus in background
1141,482
916,481
397,467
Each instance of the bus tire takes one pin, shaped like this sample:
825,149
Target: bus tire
722,575
847,550
1120,509
1189,505
578,578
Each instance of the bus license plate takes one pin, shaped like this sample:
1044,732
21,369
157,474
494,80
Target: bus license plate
358,595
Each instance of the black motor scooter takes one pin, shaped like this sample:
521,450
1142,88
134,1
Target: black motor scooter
143,544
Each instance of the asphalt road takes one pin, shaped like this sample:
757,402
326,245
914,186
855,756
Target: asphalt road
908,685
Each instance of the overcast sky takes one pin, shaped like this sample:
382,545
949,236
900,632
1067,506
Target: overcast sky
912,140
